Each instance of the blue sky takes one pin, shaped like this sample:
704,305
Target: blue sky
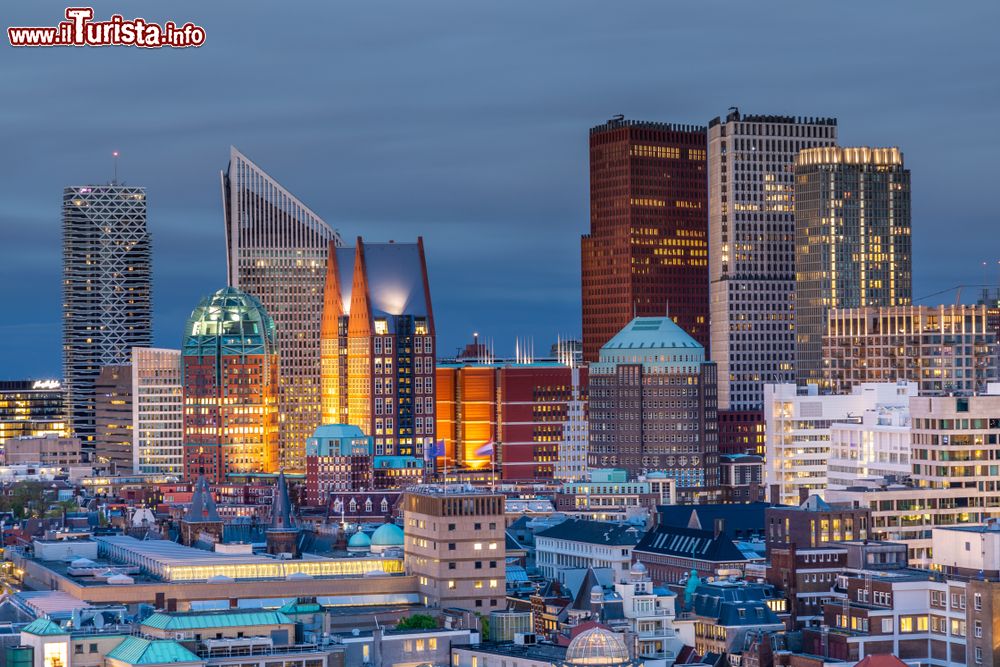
466,122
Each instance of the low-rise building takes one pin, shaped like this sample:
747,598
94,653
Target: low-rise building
608,495
671,553
579,543
47,450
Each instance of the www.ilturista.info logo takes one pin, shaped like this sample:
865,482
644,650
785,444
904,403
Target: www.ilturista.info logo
79,29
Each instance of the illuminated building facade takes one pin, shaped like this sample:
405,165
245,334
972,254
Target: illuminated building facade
378,353
653,406
30,408
107,303
534,414
338,460
752,256
852,240
230,388
157,412
113,419
944,349
647,250
276,250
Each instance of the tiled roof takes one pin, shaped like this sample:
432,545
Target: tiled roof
226,619
880,660
690,543
594,532
138,651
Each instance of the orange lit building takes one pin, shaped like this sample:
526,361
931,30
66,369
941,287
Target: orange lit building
230,388
647,251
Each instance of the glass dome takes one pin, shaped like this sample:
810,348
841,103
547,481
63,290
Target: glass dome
597,647
229,322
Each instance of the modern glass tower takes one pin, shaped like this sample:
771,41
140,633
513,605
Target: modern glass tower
107,304
276,250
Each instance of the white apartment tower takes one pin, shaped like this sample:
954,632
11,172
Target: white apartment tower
157,412
276,250
752,249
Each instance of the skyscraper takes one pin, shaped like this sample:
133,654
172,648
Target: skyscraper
852,240
157,412
107,305
378,359
230,388
276,251
647,250
752,259
113,411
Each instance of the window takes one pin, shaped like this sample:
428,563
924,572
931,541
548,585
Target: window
979,655
78,649
478,546
906,624
479,564
978,601
886,626
432,643
93,648
451,546
452,565
451,584
978,630
493,583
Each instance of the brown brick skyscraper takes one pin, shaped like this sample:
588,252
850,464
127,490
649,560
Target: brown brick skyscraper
647,251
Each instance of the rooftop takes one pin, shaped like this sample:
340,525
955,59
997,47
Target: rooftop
652,333
139,651
594,532
171,621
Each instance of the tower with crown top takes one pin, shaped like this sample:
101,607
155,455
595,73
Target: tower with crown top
202,517
282,535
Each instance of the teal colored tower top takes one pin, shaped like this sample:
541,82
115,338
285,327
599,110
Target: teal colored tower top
229,322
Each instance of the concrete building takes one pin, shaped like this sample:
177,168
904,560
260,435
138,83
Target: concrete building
157,412
107,290
815,523
583,544
872,452
31,408
455,546
799,420
113,426
944,349
48,450
751,212
852,240
653,406
276,251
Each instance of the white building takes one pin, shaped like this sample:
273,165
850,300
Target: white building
872,452
651,618
582,544
797,431
571,464
157,412
751,214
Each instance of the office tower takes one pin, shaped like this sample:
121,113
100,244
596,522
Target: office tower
799,420
752,257
944,349
276,251
852,240
379,330
107,306
157,412
873,452
651,364
113,419
647,250
230,388
527,419
455,541
31,408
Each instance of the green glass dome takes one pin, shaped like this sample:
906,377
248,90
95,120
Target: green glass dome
229,322
388,535
359,540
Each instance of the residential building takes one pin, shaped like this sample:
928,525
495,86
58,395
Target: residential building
608,495
647,251
815,523
378,352
752,255
807,576
157,412
276,251
48,450
532,415
744,522
944,349
338,460
455,546
852,240
582,544
742,475
653,406
799,420
113,409
723,612
107,301
871,452
741,432
31,408
230,387
650,612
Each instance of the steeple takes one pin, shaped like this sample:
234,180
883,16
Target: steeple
202,507
281,509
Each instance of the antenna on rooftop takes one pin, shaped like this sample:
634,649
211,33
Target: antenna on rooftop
114,154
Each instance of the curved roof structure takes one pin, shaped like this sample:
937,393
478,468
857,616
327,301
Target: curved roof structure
229,322
388,535
359,540
597,647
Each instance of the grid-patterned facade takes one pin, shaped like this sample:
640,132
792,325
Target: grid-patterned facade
647,250
852,240
944,349
276,250
113,410
752,256
157,412
107,301
31,408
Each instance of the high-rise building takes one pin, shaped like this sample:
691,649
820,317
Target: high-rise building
378,352
647,250
752,255
852,240
30,408
530,419
455,546
653,406
157,412
276,250
230,388
113,419
107,301
944,349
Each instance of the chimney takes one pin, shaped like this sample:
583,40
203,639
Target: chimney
775,494
803,494
720,526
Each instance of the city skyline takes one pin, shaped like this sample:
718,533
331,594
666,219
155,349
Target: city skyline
527,199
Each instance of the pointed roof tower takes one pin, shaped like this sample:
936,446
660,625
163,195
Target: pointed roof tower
281,510
202,507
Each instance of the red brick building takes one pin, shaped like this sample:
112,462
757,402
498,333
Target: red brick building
648,243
